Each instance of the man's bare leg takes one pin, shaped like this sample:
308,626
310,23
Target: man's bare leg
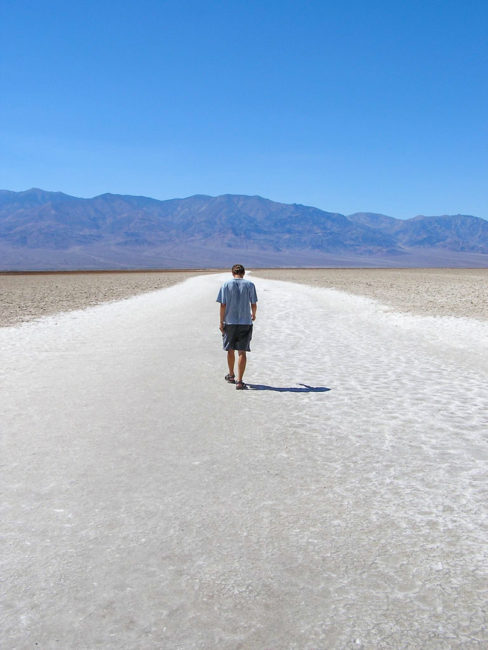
231,359
241,364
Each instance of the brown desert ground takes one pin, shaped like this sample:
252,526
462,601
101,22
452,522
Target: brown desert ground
437,292
27,296
433,292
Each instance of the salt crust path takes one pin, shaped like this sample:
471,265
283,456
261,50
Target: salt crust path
147,504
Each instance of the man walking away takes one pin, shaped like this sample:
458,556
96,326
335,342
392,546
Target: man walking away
237,298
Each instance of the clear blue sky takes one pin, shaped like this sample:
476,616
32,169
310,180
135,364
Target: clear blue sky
378,105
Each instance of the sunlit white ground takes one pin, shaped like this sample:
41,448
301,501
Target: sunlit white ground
148,504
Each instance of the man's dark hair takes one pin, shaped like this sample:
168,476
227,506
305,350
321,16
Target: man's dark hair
238,269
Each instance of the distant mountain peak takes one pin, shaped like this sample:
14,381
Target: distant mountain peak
443,216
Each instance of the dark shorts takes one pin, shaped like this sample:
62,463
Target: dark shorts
237,337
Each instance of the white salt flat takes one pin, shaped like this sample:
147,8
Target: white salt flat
340,502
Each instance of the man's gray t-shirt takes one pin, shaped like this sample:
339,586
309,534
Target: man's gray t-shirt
237,295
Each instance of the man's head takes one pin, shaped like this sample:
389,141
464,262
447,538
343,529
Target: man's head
238,270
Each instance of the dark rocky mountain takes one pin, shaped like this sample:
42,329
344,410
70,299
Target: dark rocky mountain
459,232
456,233
42,230
377,221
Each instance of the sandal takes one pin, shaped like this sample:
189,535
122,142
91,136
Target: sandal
240,385
230,378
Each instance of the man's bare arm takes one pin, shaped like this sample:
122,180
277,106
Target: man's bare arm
222,316
253,310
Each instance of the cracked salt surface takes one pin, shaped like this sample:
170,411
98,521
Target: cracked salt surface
147,504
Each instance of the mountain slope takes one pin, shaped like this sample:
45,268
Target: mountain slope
41,229
230,220
451,232
378,221
455,233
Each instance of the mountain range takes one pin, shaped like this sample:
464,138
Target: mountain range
52,230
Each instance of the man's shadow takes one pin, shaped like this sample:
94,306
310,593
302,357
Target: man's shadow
279,389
